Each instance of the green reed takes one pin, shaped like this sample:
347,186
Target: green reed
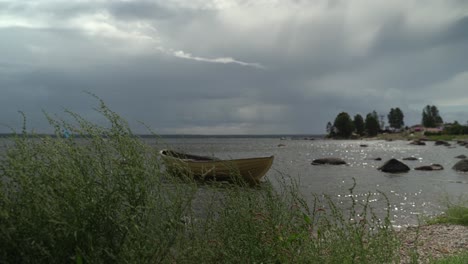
103,195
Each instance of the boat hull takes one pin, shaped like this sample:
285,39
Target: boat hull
251,170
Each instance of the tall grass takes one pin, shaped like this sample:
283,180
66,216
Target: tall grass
456,213
278,226
98,199
105,197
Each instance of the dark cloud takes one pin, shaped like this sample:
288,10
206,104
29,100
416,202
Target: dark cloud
315,62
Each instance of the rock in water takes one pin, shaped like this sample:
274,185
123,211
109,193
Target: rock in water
410,158
430,167
441,142
331,161
461,157
394,166
462,165
418,142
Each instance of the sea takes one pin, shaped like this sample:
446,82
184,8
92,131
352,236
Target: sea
408,197
412,197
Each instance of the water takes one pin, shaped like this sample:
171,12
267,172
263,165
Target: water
412,194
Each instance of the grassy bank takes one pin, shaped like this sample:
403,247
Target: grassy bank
419,135
107,199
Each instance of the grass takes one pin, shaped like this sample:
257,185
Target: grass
277,226
99,199
447,137
461,258
417,135
456,212
105,197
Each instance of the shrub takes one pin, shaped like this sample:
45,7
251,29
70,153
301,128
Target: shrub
98,196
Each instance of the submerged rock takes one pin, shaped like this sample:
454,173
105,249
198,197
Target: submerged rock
363,145
461,157
430,167
330,161
462,165
394,166
410,158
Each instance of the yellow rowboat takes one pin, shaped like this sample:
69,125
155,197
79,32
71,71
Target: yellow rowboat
251,169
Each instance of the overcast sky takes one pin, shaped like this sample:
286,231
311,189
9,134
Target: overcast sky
232,66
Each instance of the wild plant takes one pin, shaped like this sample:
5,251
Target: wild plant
277,225
98,196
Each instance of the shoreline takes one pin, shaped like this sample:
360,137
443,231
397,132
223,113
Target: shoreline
432,241
406,136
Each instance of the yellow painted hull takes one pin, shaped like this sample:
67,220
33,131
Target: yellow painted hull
251,169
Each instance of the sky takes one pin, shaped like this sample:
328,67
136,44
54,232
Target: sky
232,66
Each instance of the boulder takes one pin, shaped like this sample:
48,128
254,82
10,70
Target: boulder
430,167
418,143
363,145
461,157
410,158
394,166
330,161
379,158
441,142
462,165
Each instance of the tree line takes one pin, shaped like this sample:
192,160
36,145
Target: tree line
344,126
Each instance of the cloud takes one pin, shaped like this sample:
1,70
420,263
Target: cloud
222,60
234,66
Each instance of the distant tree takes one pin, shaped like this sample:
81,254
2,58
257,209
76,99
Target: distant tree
382,121
330,129
344,125
431,116
359,124
372,124
395,118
